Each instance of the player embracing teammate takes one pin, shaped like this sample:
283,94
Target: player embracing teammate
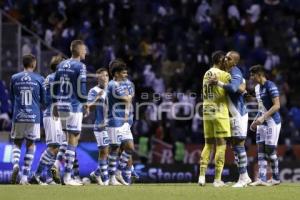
267,123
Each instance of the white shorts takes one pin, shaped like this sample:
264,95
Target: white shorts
29,131
239,126
268,134
118,135
53,131
102,138
71,121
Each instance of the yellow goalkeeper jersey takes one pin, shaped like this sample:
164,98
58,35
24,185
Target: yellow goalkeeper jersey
215,103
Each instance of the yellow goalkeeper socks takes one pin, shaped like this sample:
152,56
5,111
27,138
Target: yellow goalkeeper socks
219,161
205,156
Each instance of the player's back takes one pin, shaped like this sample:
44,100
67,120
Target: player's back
27,96
214,97
71,90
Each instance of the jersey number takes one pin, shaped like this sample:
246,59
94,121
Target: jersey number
64,85
26,96
208,92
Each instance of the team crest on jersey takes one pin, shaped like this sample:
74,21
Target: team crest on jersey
26,78
67,65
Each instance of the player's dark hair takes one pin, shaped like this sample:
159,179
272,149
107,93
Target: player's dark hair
117,65
100,70
74,47
28,59
55,60
257,69
217,57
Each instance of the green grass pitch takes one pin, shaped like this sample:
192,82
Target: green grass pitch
148,191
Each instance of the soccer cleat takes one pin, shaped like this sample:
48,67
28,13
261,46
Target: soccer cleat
242,182
219,183
96,179
15,174
259,182
69,181
201,180
106,183
113,181
72,182
52,183
24,181
273,182
55,174
37,179
78,179
120,178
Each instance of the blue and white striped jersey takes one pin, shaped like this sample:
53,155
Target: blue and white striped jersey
100,108
48,84
264,95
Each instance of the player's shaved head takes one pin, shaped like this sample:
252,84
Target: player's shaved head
235,56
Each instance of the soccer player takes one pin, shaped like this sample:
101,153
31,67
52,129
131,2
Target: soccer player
127,175
69,99
97,99
239,115
267,125
216,120
119,103
53,131
28,96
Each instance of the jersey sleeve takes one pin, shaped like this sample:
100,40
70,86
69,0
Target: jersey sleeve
235,82
119,90
131,88
47,90
82,89
273,90
91,96
42,91
55,87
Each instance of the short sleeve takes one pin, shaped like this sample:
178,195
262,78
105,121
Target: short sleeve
92,96
273,90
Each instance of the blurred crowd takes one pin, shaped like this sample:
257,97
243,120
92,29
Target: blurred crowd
167,45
